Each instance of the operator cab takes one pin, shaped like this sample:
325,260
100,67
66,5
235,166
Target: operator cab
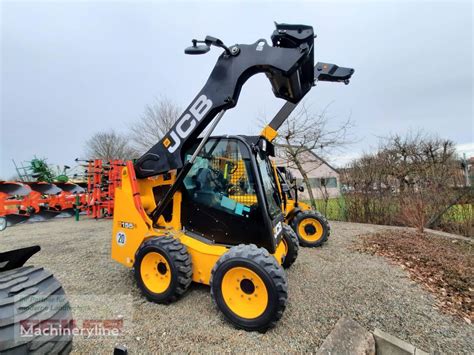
230,195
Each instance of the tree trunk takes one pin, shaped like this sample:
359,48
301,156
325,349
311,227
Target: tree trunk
307,183
294,158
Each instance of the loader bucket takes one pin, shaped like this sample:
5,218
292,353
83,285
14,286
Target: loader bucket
45,188
13,219
14,189
71,188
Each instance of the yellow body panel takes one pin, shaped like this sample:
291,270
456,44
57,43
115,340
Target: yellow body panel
280,252
131,227
203,256
269,133
290,206
303,206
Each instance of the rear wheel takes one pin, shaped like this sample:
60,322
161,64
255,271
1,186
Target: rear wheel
32,299
163,269
312,228
249,287
290,241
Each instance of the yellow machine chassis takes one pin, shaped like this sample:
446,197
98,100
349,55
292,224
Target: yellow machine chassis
131,225
290,203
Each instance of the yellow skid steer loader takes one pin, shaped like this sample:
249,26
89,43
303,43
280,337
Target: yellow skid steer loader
208,209
311,227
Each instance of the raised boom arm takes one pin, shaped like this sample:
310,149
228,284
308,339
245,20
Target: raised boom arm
288,64
322,72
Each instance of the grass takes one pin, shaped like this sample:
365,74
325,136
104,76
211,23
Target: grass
336,210
459,213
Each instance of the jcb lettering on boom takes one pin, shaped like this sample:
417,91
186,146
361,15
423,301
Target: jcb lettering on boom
187,122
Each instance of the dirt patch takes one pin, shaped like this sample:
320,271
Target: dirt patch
444,267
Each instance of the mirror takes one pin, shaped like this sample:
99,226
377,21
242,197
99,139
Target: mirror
300,188
285,188
196,50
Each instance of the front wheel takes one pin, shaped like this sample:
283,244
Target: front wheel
312,228
163,269
249,287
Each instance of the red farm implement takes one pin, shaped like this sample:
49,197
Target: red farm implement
103,178
41,200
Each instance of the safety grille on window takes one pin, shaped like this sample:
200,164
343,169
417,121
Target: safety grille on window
221,178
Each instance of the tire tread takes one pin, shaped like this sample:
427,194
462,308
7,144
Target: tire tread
320,217
179,255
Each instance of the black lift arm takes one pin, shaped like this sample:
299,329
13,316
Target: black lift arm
288,65
322,72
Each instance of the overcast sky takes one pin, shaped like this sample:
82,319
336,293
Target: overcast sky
71,69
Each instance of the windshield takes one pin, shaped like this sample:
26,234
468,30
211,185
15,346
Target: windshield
221,178
270,188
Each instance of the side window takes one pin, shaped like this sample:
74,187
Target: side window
220,178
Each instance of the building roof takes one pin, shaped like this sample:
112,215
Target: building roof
312,153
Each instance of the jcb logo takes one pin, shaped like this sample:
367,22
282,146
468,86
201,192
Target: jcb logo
187,123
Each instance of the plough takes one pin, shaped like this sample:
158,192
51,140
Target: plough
40,200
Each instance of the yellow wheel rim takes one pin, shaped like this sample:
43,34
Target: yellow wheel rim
244,292
155,272
310,229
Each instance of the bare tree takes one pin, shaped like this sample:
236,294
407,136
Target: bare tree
155,122
108,146
306,132
411,180
323,190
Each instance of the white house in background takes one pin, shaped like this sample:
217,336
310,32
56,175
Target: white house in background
323,177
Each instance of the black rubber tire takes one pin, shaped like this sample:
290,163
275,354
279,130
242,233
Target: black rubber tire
267,268
291,240
318,216
180,264
29,297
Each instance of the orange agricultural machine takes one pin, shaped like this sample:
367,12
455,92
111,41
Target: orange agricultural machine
43,200
39,201
102,179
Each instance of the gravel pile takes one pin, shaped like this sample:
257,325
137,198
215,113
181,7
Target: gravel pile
324,285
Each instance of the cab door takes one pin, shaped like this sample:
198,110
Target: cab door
220,202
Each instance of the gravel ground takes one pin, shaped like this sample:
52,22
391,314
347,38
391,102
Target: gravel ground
324,284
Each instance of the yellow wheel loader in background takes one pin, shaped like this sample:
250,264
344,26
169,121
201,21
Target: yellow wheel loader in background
311,227
208,209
